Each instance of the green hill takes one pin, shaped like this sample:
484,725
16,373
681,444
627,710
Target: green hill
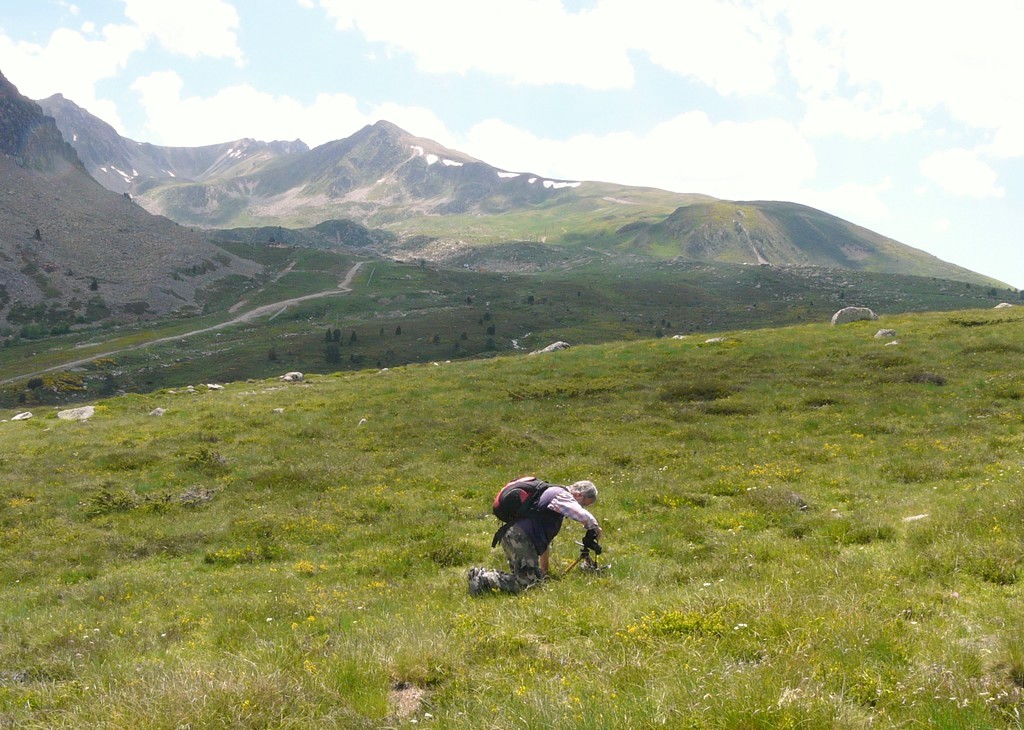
807,527
780,233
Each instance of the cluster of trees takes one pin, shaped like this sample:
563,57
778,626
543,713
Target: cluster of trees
335,336
334,339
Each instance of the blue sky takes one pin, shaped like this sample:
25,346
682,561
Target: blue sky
903,116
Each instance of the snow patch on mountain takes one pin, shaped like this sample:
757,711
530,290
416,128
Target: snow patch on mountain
558,185
127,178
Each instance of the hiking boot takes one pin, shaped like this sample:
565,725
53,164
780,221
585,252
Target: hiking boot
475,588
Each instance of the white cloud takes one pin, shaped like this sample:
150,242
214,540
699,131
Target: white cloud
533,42
192,28
857,118
729,47
853,201
71,63
960,172
690,153
1008,142
243,111
871,68
914,56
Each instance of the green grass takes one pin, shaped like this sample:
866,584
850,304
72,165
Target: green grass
804,531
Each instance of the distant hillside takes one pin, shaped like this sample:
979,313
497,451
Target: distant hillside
443,204
72,251
332,234
380,175
779,233
126,166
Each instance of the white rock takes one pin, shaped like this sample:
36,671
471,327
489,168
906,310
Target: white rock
214,386
77,414
553,347
293,377
22,416
852,314
158,411
1002,305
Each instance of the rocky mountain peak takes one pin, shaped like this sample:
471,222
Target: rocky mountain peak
29,136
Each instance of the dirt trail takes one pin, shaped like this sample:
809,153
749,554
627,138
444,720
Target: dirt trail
277,307
277,277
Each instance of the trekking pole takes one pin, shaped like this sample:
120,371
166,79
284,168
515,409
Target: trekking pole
584,555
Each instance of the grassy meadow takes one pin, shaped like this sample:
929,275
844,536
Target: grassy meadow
806,526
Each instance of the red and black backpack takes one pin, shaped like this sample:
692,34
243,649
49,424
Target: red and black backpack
518,497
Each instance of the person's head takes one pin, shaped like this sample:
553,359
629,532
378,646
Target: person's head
584,491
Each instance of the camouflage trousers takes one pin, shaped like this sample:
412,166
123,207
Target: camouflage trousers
523,561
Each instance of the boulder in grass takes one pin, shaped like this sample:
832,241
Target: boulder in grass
553,347
77,414
853,314
22,416
293,377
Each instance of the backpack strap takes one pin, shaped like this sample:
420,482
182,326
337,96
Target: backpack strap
500,533
530,505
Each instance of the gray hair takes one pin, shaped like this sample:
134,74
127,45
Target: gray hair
585,489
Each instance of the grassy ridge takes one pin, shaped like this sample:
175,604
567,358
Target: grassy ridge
808,528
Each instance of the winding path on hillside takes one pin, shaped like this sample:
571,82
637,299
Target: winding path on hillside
344,286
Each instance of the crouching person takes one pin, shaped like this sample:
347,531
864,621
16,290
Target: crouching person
526,537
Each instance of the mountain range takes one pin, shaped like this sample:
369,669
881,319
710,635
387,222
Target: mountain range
95,226
74,251
443,205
